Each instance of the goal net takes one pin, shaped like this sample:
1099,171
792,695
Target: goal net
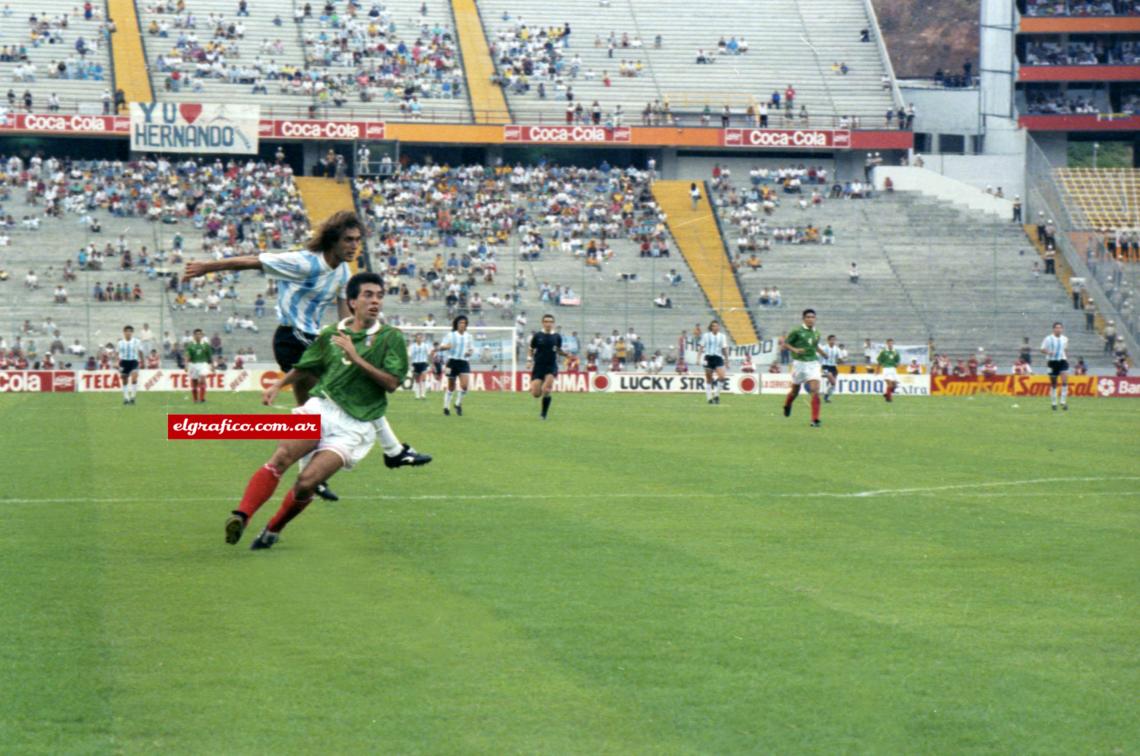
494,364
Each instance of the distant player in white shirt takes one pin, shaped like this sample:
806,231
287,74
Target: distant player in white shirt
831,354
460,346
130,352
1053,347
714,347
420,354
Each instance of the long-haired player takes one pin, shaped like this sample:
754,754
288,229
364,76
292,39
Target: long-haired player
460,345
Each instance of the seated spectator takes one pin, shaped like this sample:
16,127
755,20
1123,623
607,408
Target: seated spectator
663,301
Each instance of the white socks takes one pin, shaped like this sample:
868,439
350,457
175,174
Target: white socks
446,398
708,389
388,441
459,397
1064,394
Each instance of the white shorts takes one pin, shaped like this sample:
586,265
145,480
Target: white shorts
802,372
349,438
892,373
198,370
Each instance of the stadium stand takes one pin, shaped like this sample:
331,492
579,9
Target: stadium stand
926,270
783,48
131,65
42,58
698,237
399,64
487,102
1106,198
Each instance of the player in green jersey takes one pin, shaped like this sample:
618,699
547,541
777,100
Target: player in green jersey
198,354
803,343
357,362
888,361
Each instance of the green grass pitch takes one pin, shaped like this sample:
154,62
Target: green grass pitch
639,574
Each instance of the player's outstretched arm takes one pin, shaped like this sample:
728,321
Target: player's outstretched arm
197,268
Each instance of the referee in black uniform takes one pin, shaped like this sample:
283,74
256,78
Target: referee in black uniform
542,359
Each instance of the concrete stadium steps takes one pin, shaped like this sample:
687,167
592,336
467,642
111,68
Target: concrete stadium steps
82,95
131,73
928,269
699,240
487,101
785,48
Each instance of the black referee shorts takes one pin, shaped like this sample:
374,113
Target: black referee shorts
288,346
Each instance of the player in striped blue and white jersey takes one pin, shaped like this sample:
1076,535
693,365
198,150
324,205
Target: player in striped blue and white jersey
130,352
714,346
831,355
419,354
460,346
1053,347
309,280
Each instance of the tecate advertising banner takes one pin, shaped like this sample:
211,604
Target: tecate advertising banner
194,127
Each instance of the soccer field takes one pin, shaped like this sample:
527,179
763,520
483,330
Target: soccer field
638,574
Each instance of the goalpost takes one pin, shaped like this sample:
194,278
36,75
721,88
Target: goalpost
496,352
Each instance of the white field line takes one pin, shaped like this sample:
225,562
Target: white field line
884,492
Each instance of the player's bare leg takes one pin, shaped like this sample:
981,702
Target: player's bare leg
791,398
813,389
264,482
831,381
321,467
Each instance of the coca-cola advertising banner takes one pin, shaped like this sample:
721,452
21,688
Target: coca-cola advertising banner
797,139
581,134
297,128
314,129
37,381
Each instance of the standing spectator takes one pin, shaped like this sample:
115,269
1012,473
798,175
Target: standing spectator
789,98
725,117
1016,208
694,195
1109,336
1090,316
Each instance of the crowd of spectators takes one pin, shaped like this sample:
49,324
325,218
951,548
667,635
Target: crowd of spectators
1080,53
1082,7
1061,103
360,52
253,204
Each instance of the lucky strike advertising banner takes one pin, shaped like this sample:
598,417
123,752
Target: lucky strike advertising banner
1009,385
194,127
673,383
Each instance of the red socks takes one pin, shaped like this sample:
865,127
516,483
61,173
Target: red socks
890,389
198,391
791,397
814,407
290,508
260,487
